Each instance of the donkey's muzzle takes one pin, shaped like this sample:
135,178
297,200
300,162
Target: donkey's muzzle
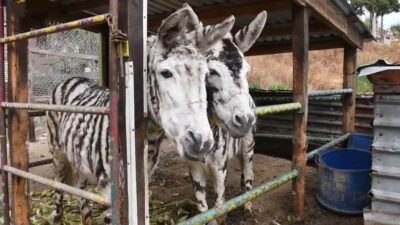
196,144
243,123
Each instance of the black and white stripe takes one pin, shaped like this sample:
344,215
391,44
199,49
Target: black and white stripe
79,142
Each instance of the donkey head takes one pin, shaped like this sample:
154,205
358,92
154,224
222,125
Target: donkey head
177,90
228,95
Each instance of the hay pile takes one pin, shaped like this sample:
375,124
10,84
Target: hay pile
42,205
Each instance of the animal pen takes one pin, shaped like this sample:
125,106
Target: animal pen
295,26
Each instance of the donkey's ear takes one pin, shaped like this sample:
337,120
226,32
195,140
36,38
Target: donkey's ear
192,21
173,27
247,36
209,35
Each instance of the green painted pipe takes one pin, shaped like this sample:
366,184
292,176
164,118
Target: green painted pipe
334,142
289,137
265,110
234,203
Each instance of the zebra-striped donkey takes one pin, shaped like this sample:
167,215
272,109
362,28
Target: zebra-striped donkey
80,143
230,106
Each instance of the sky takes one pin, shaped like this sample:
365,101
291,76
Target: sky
388,20
391,19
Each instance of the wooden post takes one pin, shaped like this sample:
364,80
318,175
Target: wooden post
349,81
300,45
5,203
137,33
18,119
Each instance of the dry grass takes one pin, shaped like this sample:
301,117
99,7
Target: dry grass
272,71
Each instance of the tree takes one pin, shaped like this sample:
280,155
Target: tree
395,29
375,8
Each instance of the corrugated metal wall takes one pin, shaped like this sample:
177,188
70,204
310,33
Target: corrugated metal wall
324,120
386,154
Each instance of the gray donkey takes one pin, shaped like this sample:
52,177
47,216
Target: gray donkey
176,85
231,108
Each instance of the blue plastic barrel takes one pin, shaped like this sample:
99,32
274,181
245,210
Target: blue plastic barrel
344,180
360,141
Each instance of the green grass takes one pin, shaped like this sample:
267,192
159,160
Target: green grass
279,87
363,86
254,86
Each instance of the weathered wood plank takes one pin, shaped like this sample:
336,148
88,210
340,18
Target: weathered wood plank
227,9
285,47
334,17
349,81
18,119
300,45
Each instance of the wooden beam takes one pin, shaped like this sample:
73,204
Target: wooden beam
349,81
286,29
85,5
227,9
334,17
285,47
300,45
18,119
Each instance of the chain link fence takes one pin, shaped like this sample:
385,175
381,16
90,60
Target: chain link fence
57,57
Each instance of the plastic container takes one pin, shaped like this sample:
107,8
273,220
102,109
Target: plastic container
344,180
360,141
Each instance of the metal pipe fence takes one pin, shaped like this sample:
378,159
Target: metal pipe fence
57,185
289,137
90,21
330,144
58,108
330,92
240,200
320,95
5,169
265,110
234,203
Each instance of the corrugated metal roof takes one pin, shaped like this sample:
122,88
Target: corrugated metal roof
278,22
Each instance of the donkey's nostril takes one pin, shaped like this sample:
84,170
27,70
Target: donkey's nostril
194,138
239,119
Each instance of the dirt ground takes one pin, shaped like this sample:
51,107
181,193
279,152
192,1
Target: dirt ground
171,182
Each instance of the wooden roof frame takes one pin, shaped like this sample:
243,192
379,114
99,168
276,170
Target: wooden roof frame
328,18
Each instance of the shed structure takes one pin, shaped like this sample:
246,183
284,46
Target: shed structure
385,184
296,26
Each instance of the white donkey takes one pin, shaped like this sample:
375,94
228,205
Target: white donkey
230,106
176,79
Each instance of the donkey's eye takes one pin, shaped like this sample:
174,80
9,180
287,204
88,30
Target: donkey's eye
166,74
214,73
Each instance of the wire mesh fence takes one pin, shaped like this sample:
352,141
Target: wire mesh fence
57,57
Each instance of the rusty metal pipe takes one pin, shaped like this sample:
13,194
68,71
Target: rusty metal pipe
58,108
58,185
90,21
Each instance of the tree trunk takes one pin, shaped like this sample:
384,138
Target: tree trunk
382,30
373,22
